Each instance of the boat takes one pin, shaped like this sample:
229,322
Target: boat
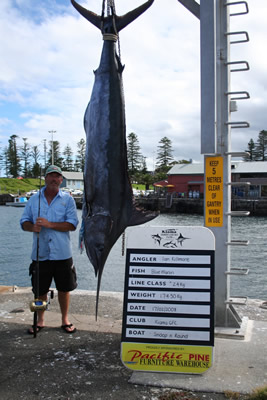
19,201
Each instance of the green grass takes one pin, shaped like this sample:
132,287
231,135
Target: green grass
141,187
21,186
230,395
178,395
259,394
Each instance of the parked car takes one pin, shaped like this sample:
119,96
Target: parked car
136,192
149,192
31,192
65,189
76,192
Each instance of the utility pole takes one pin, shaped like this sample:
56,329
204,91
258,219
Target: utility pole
52,147
44,153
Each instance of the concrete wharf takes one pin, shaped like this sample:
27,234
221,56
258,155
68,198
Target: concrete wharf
86,365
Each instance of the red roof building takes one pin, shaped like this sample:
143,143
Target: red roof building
187,180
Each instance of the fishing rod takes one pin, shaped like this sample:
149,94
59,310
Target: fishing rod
38,304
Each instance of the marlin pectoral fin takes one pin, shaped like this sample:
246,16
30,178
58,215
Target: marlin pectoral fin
139,216
98,228
97,295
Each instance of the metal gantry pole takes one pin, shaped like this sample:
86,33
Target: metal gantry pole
225,313
216,126
215,137
222,234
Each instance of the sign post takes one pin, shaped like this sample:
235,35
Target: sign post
168,318
214,191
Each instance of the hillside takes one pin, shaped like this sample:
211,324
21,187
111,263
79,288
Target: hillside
19,186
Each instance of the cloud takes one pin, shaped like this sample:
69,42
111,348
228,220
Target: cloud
48,54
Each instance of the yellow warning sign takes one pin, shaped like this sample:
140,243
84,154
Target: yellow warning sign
166,358
214,192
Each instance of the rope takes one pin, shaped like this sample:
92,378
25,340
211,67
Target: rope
123,244
103,9
110,5
110,36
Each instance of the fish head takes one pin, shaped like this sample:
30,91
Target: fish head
97,229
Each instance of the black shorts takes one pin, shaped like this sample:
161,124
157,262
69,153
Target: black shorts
62,271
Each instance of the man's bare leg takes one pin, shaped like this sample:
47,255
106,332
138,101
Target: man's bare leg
64,302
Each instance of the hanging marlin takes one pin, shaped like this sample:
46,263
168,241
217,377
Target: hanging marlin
108,204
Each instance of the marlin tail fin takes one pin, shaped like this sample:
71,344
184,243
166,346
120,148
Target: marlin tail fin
120,22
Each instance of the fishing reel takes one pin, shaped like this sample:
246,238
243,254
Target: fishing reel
41,305
38,305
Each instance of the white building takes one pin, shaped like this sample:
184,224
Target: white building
72,180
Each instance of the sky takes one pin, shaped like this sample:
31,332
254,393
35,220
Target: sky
48,53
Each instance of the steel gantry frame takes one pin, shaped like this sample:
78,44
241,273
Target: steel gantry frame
217,103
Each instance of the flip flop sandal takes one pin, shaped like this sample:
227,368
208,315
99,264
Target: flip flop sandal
66,327
38,329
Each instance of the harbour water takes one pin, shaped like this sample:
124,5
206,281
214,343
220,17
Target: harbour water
15,250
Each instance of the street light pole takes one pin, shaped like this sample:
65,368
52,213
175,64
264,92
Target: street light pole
52,147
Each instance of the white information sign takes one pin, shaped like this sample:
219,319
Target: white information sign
169,297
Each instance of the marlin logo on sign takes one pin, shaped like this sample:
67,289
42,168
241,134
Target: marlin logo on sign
157,238
181,239
169,238
170,244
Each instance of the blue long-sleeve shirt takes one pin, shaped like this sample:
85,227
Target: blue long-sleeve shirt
53,245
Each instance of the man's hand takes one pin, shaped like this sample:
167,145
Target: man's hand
36,228
42,222
57,226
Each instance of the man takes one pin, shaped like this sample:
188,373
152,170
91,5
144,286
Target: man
52,215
